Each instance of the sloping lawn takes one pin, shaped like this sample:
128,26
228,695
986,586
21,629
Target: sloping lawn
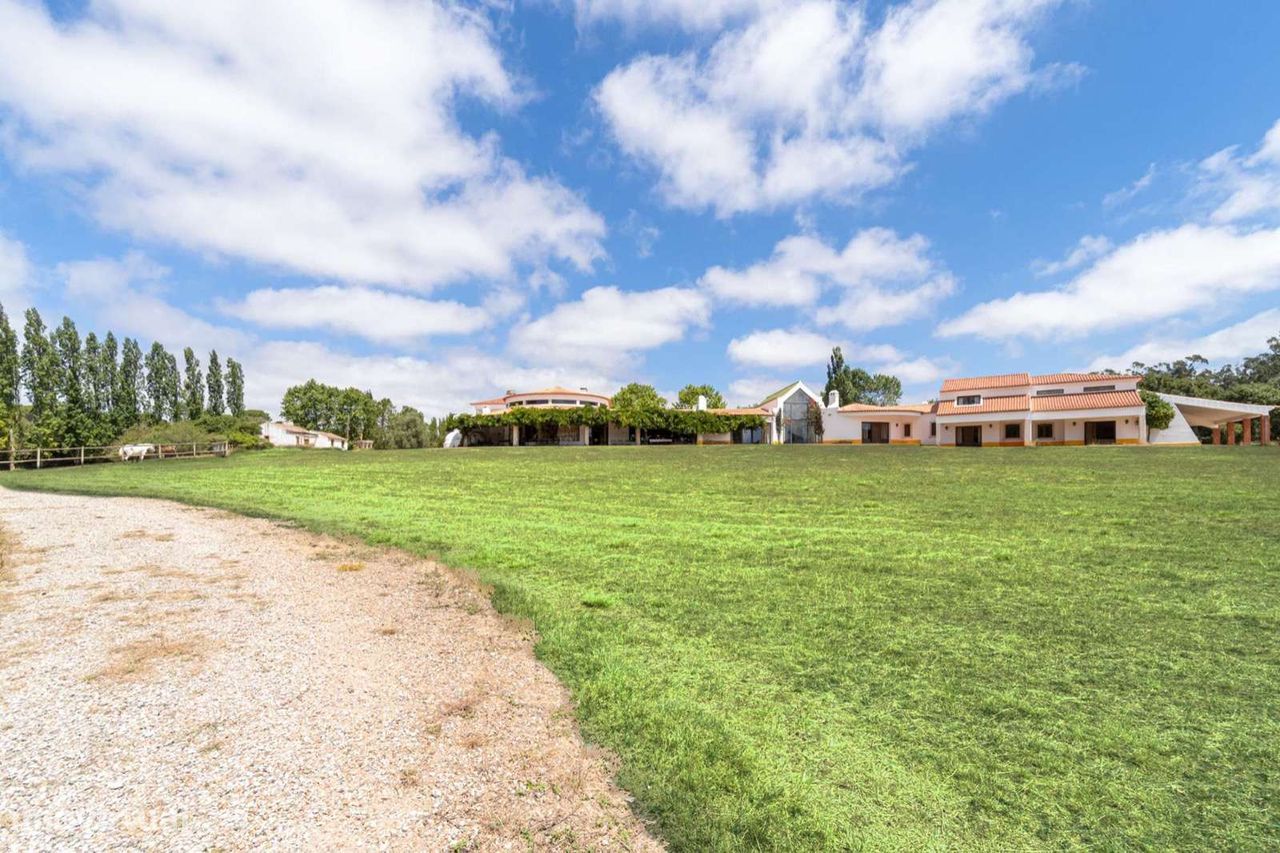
829,648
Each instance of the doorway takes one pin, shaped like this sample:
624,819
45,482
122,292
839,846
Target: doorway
1100,432
875,433
969,436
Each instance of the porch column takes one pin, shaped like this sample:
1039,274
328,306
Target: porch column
1231,433
515,436
584,434
1265,438
1246,431
1217,433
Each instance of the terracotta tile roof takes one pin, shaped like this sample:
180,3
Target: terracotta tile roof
547,391
911,409
1063,378
743,410
989,405
494,402
976,383
1096,400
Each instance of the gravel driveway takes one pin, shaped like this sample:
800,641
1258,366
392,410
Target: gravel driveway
178,677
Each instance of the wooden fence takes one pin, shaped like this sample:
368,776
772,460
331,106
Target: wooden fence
56,457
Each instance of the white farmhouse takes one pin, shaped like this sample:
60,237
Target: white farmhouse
285,434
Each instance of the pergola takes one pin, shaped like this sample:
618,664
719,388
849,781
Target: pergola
1217,414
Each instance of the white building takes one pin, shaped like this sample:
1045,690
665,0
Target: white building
285,434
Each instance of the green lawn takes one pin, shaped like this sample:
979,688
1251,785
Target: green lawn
889,648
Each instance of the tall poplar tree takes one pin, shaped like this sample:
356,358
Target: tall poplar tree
213,380
10,383
235,387
173,400
92,384
74,424
193,384
39,367
129,395
157,366
108,369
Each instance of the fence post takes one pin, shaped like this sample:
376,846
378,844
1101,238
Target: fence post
193,450
37,459
82,455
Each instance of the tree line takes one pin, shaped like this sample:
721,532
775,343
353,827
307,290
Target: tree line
357,415
58,390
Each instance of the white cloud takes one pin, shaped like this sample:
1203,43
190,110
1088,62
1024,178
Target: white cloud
1157,275
781,348
1087,249
689,14
918,371
435,386
805,102
1123,194
1246,338
16,274
371,314
607,325
749,390
125,296
882,279
333,152
1246,186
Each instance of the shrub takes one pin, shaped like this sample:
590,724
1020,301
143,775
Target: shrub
1159,411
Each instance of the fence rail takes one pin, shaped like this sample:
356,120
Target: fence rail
57,457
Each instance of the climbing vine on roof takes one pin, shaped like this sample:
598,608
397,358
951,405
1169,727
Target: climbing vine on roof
682,421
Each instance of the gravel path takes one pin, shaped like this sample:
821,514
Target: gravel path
178,677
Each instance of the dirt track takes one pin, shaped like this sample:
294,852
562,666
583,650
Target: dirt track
177,677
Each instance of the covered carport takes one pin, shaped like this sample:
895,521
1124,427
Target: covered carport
1220,417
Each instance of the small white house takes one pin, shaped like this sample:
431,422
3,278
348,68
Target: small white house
285,434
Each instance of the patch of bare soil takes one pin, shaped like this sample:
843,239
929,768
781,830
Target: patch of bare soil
176,677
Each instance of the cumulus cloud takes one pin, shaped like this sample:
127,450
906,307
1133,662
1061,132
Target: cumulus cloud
1246,338
1088,248
781,348
199,125
371,314
1247,187
687,14
880,279
16,274
607,326
1157,275
806,101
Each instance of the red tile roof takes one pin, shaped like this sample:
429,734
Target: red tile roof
744,410
989,405
1063,378
1097,400
920,409
976,383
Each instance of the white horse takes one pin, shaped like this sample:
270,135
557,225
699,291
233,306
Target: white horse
135,451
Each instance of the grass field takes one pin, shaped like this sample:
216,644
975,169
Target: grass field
831,648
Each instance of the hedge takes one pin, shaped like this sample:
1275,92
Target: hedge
682,421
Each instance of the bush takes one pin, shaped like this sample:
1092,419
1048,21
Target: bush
241,432
1159,411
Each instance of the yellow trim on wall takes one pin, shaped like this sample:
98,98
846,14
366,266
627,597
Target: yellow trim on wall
842,441
1074,443
904,441
1127,441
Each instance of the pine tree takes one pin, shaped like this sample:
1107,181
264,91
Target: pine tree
129,395
10,383
193,384
39,366
213,379
235,387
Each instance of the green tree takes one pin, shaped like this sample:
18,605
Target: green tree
10,383
92,357
129,395
857,386
1159,412
883,390
213,380
176,404
312,405
639,406
75,425
39,366
407,430
688,397
161,383
235,387
193,384
108,375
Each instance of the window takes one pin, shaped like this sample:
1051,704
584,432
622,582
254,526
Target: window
933,429
1093,389
564,402
1050,392
1044,431
1013,430
535,402
906,430
969,400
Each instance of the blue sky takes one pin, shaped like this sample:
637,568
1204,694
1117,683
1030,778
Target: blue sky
439,202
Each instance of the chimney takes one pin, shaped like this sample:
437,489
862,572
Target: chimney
701,405
833,399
